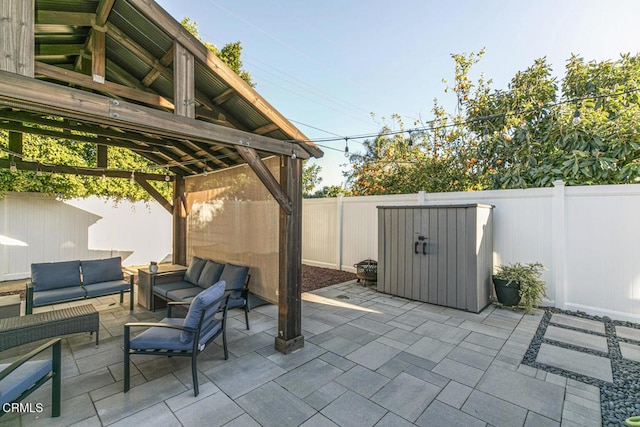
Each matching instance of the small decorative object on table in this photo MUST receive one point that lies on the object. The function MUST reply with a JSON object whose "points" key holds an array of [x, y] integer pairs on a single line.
{"points": [[520, 284], [153, 267]]}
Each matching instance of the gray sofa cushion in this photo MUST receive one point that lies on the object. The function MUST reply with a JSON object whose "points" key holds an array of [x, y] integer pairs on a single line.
{"points": [[210, 274], [61, 294], [105, 288], [22, 379], [193, 271], [101, 270], [55, 275], [163, 288], [235, 277], [181, 295]]}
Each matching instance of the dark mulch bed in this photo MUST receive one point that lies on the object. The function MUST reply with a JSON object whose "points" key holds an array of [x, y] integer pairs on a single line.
{"points": [[312, 278], [316, 277]]}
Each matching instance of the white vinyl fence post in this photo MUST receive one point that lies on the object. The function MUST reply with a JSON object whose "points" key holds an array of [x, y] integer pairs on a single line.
{"points": [[339, 230], [422, 198], [559, 243]]}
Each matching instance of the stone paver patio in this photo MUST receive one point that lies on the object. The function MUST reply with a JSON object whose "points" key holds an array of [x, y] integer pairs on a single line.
{"points": [[369, 359]]}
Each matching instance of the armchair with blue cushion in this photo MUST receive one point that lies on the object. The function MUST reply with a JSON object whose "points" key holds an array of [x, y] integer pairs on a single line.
{"points": [[186, 337], [22, 377]]}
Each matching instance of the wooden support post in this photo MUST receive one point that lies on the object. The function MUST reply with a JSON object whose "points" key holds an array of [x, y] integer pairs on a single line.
{"points": [[184, 87], [98, 59], [179, 222], [17, 45], [15, 142], [290, 336], [154, 193], [184, 101], [102, 156]]}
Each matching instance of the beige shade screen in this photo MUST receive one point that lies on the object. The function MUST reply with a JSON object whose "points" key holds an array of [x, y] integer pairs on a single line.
{"points": [[232, 217]]}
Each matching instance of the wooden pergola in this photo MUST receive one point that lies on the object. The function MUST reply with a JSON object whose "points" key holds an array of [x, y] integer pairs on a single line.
{"points": [[124, 73]]}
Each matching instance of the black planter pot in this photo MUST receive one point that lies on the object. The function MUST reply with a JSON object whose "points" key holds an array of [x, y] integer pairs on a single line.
{"points": [[507, 295]]}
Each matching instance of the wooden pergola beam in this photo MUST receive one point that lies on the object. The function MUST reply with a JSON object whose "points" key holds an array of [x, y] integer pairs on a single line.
{"points": [[79, 170], [83, 80], [153, 193], [76, 19], [44, 97]]}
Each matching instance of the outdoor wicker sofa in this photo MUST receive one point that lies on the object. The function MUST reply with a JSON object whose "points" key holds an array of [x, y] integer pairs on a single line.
{"points": [[55, 282]]}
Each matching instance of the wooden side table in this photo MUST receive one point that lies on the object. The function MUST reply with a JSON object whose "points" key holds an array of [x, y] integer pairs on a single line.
{"points": [[9, 306], [147, 280]]}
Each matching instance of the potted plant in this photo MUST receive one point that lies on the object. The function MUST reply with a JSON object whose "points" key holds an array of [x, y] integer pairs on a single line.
{"points": [[520, 284]]}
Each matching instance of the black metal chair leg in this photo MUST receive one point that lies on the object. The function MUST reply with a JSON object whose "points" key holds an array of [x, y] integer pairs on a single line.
{"points": [[194, 373]]}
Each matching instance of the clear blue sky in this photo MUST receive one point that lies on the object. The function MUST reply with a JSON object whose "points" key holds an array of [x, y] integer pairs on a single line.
{"points": [[331, 63]]}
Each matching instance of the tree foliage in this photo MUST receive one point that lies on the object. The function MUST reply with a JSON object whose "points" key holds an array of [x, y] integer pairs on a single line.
{"points": [[582, 130], [230, 53]]}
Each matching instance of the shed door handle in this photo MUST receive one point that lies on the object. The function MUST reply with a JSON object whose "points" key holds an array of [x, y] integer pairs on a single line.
{"points": [[424, 248], [415, 247]]}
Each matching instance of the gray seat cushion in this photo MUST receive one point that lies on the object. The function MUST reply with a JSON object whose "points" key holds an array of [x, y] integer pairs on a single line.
{"points": [[182, 294], [22, 379], [105, 288], [55, 295], [101, 270], [55, 275], [163, 288], [161, 338]]}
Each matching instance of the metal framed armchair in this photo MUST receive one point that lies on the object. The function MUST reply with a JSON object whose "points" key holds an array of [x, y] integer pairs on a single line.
{"points": [[22, 377], [186, 337]]}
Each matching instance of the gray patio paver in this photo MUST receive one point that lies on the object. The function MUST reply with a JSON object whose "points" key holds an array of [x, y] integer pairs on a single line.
{"points": [[537, 420], [530, 393], [442, 415], [494, 411], [244, 374], [353, 410], [243, 420], [464, 374], [588, 324], [157, 415], [454, 394], [122, 405], [393, 420], [362, 380], [340, 346], [337, 361], [318, 420], [308, 378], [406, 396], [470, 357], [77, 409], [214, 410], [575, 361], [581, 339], [373, 355], [630, 351], [492, 331], [325, 395], [430, 349], [272, 405], [626, 332], [442, 332]]}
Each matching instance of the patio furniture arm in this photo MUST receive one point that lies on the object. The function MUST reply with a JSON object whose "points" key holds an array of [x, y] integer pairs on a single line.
{"points": [[54, 344], [29, 298], [157, 325], [175, 303]]}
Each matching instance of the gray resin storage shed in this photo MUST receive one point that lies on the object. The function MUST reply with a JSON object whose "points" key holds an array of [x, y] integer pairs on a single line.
{"points": [[440, 254]]}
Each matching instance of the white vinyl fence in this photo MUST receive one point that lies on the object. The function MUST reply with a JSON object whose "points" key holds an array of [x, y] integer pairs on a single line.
{"points": [[588, 238], [37, 228]]}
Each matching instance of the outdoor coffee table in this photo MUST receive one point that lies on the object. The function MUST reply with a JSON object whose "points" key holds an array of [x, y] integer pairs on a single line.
{"points": [[15, 331]]}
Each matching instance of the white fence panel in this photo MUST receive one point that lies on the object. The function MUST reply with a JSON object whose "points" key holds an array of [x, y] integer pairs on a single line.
{"points": [[603, 250], [320, 222], [37, 228]]}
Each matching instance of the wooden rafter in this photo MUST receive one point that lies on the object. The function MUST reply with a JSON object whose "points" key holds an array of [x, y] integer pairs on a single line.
{"points": [[78, 170], [77, 19]]}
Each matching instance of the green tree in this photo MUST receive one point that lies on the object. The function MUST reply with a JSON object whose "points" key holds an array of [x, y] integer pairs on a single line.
{"points": [[230, 53], [310, 177], [583, 131]]}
